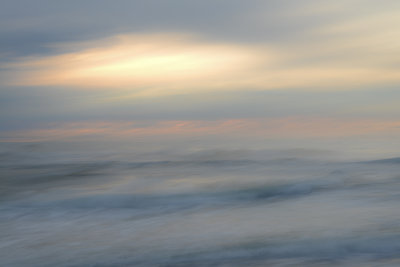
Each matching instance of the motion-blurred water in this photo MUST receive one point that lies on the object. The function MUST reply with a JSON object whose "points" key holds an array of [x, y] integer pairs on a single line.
{"points": [[209, 208]]}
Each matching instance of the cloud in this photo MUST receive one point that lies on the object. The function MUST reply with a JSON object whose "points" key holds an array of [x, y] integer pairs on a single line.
{"points": [[139, 63], [207, 60], [173, 63]]}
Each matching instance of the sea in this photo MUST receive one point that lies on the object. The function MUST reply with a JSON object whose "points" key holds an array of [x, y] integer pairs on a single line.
{"points": [[68, 206]]}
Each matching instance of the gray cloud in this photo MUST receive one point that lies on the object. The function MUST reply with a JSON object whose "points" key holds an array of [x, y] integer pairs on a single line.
{"points": [[30, 27]]}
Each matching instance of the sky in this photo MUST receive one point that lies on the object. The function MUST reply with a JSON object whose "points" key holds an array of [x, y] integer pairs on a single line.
{"points": [[292, 73]]}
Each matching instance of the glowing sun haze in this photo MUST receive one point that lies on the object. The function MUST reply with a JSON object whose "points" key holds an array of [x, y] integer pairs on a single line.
{"points": [[140, 62], [149, 64]]}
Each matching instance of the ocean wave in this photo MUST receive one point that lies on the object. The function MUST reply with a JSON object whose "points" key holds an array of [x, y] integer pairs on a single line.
{"points": [[221, 211]]}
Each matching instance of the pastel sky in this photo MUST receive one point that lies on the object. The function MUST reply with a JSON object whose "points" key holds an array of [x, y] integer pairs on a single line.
{"points": [[255, 70]]}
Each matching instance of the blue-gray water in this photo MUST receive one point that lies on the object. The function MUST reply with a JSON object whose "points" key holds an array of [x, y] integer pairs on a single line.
{"points": [[211, 208]]}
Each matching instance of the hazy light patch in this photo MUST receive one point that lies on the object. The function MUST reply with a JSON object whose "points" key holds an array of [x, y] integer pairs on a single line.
{"points": [[139, 63], [164, 64]]}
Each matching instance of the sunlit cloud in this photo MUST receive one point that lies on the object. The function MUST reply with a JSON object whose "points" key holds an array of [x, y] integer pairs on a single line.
{"points": [[161, 64], [139, 63]]}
